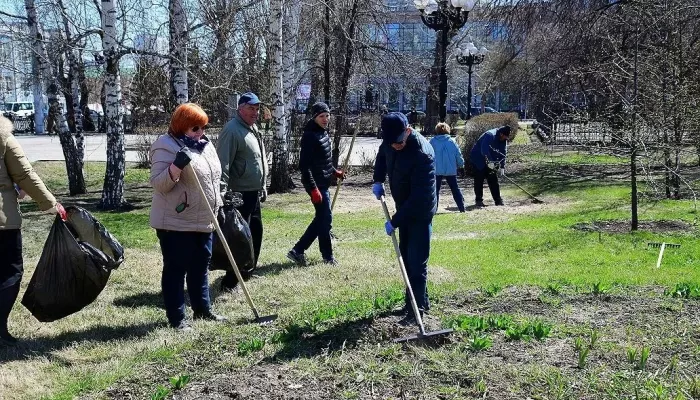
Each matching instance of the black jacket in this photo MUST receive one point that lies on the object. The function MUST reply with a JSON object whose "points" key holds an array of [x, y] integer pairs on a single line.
{"points": [[411, 179], [315, 160]]}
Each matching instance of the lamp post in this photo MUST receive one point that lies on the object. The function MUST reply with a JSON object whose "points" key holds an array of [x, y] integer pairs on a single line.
{"points": [[470, 56], [444, 16]]}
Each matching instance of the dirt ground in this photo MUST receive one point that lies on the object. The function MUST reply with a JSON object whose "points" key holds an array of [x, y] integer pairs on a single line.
{"points": [[624, 318]]}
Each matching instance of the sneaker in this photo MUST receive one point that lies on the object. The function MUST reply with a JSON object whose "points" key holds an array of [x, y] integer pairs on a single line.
{"points": [[500, 203], [331, 261], [183, 326], [210, 316], [479, 204], [299, 259]]}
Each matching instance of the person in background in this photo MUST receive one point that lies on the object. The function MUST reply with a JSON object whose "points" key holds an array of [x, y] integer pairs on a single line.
{"points": [[17, 178], [317, 169], [409, 161], [488, 157], [447, 159], [180, 214], [413, 118], [244, 169]]}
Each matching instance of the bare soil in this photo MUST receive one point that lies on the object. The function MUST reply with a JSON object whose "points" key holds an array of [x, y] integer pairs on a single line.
{"points": [[625, 317]]}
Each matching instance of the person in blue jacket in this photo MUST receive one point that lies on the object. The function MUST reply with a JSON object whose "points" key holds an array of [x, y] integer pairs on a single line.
{"points": [[409, 161], [447, 159], [488, 156], [317, 169]]}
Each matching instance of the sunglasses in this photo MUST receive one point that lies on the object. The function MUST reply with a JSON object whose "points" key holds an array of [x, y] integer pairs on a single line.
{"points": [[196, 128], [181, 207]]}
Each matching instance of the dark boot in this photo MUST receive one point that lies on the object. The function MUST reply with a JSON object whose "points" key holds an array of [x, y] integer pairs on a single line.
{"points": [[7, 300]]}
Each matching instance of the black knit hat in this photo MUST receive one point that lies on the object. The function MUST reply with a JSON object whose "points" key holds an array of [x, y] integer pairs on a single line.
{"points": [[319, 108]]}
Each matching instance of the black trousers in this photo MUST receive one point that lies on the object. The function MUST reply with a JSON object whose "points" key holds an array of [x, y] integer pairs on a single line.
{"points": [[11, 269], [250, 211], [492, 179]]}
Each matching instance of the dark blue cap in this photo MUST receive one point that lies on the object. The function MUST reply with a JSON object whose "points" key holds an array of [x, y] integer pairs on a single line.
{"points": [[248, 98], [393, 126]]}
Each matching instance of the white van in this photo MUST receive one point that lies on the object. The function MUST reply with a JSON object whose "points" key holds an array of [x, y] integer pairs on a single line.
{"points": [[15, 110]]}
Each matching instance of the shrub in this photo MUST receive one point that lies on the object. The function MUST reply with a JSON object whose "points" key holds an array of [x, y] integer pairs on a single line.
{"points": [[480, 124]]}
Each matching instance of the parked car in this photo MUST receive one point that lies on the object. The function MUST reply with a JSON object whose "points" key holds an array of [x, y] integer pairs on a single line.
{"points": [[475, 111]]}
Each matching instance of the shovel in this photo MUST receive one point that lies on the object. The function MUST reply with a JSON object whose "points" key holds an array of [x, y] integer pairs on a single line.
{"points": [[422, 334], [258, 318]]}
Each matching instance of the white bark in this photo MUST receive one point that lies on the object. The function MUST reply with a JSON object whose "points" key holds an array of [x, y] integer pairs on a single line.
{"points": [[73, 57], [290, 51], [113, 189], [38, 67], [280, 156], [178, 52]]}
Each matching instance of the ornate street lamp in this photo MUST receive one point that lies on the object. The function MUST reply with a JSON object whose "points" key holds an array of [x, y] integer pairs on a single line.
{"points": [[444, 16], [470, 56]]}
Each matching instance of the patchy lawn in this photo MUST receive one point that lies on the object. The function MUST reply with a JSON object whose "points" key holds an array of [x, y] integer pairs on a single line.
{"points": [[544, 303]]}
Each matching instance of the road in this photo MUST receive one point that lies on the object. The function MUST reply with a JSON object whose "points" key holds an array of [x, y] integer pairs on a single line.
{"points": [[48, 148]]}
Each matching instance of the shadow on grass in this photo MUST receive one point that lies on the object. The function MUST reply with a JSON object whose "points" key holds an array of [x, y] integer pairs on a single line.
{"points": [[43, 346], [145, 299], [300, 340]]}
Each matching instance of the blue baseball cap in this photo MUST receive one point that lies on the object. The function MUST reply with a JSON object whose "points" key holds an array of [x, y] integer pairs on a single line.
{"points": [[248, 98], [393, 126]]}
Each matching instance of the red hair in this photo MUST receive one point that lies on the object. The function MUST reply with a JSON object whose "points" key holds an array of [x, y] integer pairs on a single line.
{"points": [[185, 117]]}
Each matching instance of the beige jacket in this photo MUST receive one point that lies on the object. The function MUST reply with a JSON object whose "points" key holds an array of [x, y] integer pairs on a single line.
{"points": [[168, 194], [15, 168]]}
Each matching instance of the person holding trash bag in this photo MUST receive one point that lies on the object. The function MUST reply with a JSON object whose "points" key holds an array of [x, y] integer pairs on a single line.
{"points": [[317, 169], [180, 216], [17, 178], [488, 156], [244, 169], [409, 161], [447, 159]]}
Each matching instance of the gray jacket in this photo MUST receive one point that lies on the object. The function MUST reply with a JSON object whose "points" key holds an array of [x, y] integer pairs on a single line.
{"points": [[242, 156]]}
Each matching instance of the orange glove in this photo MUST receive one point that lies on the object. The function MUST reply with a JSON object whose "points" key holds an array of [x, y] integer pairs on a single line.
{"points": [[316, 196]]}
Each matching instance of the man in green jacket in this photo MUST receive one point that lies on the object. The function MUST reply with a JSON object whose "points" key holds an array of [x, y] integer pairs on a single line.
{"points": [[244, 169]]}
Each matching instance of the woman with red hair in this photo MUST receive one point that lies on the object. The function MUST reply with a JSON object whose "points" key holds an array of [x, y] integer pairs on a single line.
{"points": [[180, 215]]}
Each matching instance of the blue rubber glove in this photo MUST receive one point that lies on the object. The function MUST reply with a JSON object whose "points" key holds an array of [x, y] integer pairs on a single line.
{"points": [[389, 228], [378, 190]]}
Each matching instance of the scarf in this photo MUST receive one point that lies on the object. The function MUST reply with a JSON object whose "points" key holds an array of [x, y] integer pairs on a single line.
{"points": [[194, 144]]}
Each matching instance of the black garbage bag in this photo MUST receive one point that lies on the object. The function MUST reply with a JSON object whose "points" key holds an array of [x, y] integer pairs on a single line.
{"points": [[74, 267], [238, 237]]}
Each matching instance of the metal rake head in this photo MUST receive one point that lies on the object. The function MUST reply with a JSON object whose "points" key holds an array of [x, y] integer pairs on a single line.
{"points": [[657, 244]]}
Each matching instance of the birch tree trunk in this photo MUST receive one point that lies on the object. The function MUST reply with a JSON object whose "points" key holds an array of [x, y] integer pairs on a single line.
{"points": [[280, 172], [346, 57], [113, 188], [37, 67], [178, 52]]}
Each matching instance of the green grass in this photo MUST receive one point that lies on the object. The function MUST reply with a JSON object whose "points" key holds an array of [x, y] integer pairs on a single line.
{"points": [[578, 158], [328, 326]]}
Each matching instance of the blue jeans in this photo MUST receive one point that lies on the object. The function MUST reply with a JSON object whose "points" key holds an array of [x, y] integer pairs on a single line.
{"points": [[414, 244], [185, 254], [456, 193], [319, 228]]}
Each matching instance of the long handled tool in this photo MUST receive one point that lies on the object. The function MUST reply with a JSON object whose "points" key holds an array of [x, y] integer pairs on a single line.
{"points": [[258, 318], [534, 199], [663, 246], [422, 334], [345, 169]]}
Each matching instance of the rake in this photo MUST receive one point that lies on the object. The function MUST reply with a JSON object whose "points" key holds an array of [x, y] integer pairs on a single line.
{"points": [[534, 199], [345, 169], [422, 334], [663, 246], [260, 320]]}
